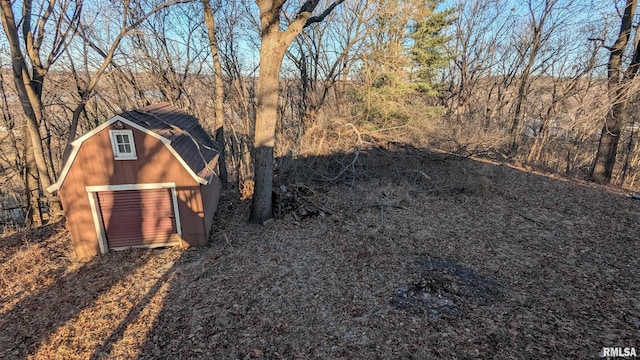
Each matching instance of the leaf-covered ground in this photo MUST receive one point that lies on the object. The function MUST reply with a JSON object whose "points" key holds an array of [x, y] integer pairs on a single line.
{"points": [[408, 255]]}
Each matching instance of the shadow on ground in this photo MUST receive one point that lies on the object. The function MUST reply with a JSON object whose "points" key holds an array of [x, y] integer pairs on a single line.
{"points": [[530, 261], [550, 259], [77, 302]]}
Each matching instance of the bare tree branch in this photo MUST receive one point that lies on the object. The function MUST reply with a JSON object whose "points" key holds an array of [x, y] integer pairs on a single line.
{"points": [[325, 13]]}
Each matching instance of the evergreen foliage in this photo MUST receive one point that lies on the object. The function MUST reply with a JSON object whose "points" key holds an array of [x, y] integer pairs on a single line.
{"points": [[398, 74]]}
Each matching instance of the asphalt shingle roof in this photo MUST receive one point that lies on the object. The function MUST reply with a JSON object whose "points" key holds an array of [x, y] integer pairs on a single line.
{"points": [[188, 138]]}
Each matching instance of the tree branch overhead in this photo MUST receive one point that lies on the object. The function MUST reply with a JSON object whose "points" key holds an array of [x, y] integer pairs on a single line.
{"points": [[323, 15]]}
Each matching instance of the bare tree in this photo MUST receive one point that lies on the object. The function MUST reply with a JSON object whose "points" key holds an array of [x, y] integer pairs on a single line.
{"points": [[325, 53], [131, 19], [59, 18], [233, 31], [209, 21], [619, 89], [274, 44], [567, 77], [479, 29], [540, 30], [12, 160], [630, 149]]}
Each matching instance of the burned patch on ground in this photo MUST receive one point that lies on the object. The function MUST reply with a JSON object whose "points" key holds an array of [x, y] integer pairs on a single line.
{"points": [[444, 287]]}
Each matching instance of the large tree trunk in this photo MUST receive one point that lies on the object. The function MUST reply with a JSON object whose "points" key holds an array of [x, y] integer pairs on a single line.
{"points": [[626, 165], [274, 43], [618, 95], [266, 118], [34, 114], [608, 147], [31, 187]]}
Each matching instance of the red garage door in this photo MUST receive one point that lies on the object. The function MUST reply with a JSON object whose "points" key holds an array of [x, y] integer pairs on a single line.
{"points": [[138, 218]]}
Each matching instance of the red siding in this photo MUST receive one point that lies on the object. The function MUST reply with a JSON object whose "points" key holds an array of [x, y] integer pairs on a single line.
{"points": [[94, 165]]}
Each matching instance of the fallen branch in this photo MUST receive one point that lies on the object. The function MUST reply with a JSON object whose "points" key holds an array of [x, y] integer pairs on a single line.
{"points": [[226, 239], [427, 177], [531, 219]]}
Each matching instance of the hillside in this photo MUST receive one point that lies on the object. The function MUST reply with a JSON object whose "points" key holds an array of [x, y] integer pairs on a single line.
{"points": [[407, 254]]}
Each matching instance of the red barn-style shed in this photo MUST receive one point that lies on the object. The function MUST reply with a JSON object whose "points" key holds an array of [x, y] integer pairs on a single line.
{"points": [[145, 178]]}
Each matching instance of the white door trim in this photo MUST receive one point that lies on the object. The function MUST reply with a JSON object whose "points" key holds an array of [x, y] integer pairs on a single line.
{"points": [[97, 222]]}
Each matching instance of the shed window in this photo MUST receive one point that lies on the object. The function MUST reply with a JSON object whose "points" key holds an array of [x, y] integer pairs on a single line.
{"points": [[123, 146]]}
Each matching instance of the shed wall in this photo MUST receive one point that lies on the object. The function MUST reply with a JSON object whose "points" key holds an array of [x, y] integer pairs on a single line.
{"points": [[210, 197], [95, 165]]}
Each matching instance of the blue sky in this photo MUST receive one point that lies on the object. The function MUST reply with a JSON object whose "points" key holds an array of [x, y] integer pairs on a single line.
{"points": [[577, 16]]}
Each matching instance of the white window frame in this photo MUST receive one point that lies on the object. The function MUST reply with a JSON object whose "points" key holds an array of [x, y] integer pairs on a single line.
{"points": [[114, 145]]}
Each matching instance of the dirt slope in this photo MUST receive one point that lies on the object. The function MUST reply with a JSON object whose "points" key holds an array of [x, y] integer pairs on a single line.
{"points": [[407, 255]]}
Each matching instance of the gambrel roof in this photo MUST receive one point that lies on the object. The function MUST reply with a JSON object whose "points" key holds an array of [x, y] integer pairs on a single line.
{"points": [[180, 132]]}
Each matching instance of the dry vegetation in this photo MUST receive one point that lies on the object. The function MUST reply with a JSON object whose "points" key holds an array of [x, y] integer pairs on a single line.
{"points": [[414, 255]]}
